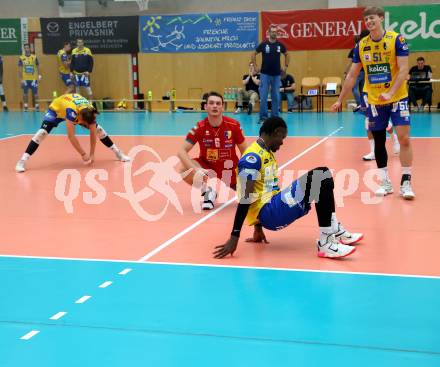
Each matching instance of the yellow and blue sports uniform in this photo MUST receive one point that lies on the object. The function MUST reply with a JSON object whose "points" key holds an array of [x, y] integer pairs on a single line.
{"points": [[65, 107], [63, 57], [379, 60], [29, 64], [272, 208], [82, 61]]}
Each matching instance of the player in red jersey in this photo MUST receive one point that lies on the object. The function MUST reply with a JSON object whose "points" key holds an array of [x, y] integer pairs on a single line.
{"points": [[217, 136]]}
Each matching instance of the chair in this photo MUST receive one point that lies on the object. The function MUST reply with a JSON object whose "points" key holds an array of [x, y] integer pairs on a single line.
{"points": [[324, 92], [310, 83]]}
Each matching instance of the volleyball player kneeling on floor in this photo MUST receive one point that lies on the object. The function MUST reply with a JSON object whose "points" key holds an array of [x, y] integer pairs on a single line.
{"points": [[75, 110], [263, 204]]}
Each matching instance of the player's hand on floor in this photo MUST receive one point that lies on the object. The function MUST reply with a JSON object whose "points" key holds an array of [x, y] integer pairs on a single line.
{"points": [[258, 237], [86, 159], [228, 248]]}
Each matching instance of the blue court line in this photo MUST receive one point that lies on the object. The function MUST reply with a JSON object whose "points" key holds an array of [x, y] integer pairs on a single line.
{"points": [[178, 124], [164, 305]]}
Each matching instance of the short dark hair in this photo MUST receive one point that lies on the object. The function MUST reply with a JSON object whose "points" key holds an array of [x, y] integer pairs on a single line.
{"points": [[26, 44], [373, 10], [420, 58], [271, 124], [214, 94], [66, 43], [88, 114]]}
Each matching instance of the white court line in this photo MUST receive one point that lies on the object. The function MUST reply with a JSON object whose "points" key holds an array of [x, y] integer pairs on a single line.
{"points": [[125, 271], [105, 284], [29, 335], [229, 202], [58, 315], [14, 136], [83, 299]]}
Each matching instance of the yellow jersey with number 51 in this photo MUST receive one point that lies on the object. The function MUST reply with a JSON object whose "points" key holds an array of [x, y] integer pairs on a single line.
{"points": [[379, 60]]}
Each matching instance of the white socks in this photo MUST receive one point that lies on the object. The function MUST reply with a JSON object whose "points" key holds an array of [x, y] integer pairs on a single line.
{"points": [[25, 157], [371, 141]]}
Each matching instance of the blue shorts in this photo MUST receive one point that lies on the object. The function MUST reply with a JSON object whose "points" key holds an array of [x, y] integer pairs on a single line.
{"points": [[379, 115], [30, 84], [82, 80], [284, 208], [66, 79], [364, 103]]}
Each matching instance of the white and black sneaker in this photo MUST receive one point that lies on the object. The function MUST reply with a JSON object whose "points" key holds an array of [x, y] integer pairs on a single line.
{"points": [[347, 238], [332, 248], [209, 197]]}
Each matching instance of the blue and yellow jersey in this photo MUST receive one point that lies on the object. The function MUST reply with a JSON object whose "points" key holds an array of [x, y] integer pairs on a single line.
{"points": [[379, 59], [258, 164], [29, 64], [62, 57], [82, 60], [68, 106]]}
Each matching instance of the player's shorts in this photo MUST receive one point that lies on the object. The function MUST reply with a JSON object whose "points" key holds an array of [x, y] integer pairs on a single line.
{"points": [[82, 80], [379, 115], [231, 182], [284, 208], [30, 84], [67, 79], [364, 103]]}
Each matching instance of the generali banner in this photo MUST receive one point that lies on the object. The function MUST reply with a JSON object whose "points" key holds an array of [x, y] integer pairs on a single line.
{"points": [[318, 29]]}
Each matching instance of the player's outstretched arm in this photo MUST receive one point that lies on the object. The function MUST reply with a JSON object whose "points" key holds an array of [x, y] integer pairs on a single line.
{"points": [[93, 135], [74, 141], [240, 215], [348, 85]]}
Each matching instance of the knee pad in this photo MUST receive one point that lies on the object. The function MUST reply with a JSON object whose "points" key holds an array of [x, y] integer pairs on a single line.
{"points": [[40, 136], [101, 132], [1, 89]]}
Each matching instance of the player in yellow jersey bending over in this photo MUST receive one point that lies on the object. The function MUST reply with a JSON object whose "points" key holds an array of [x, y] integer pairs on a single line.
{"points": [[263, 204], [75, 110]]}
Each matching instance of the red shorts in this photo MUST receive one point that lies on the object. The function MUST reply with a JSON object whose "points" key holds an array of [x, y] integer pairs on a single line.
{"points": [[219, 172]]}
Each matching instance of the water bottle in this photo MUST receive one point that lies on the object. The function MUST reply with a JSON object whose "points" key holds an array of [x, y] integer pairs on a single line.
{"points": [[173, 94], [54, 94], [225, 93], [150, 95]]}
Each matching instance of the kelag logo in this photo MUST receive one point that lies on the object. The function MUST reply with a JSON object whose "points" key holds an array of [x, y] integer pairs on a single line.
{"points": [[378, 68]]}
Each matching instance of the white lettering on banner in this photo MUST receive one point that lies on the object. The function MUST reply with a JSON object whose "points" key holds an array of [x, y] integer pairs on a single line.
{"points": [[215, 31], [91, 32], [410, 29], [94, 24], [325, 29], [7, 33]]}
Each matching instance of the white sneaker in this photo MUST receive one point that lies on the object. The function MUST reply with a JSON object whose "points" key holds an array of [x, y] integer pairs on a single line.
{"points": [[20, 166], [122, 157], [369, 157], [385, 188], [406, 190], [209, 197], [396, 147], [238, 110], [332, 248], [347, 238]]}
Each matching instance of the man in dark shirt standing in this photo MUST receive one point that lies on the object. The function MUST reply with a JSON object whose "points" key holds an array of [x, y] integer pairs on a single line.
{"points": [[251, 82], [287, 90], [81, 66], [417, 90], [271, 51]]}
